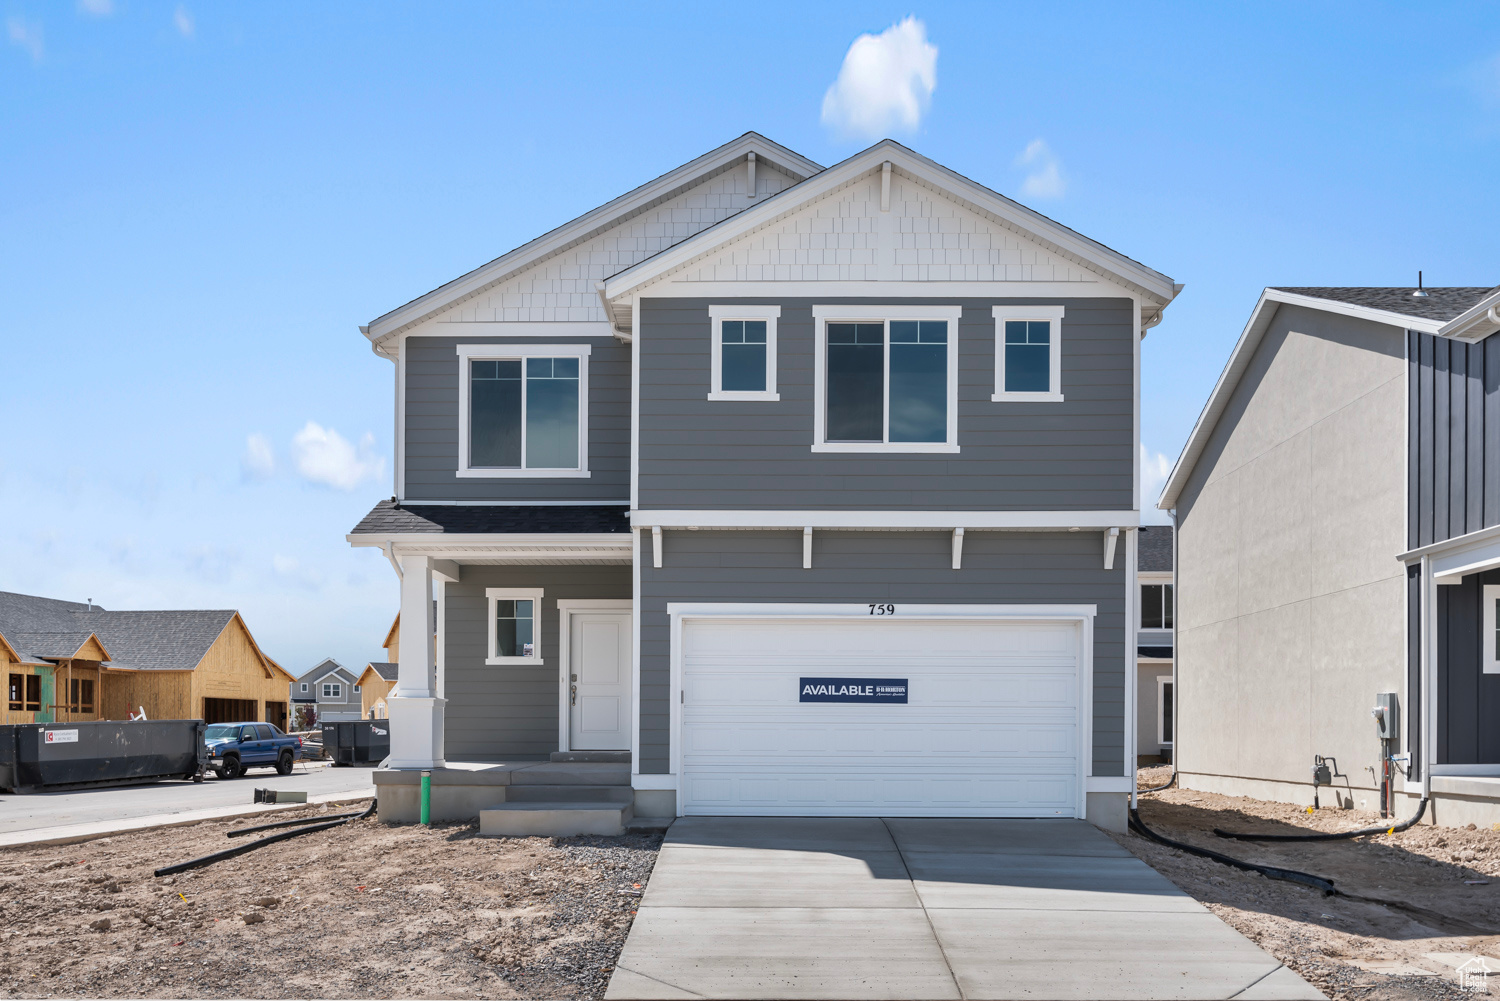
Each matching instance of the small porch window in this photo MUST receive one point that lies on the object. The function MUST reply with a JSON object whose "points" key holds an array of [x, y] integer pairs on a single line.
{"points": [[514, 626]]}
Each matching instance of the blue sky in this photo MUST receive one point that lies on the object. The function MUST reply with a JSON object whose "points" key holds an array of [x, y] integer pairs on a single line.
{"points": [[199, 203]]}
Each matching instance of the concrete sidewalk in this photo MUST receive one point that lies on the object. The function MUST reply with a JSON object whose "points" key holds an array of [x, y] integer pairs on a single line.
{"points": [[856, 908]]}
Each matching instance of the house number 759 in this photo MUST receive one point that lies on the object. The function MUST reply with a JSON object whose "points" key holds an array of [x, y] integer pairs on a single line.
{"points": [[882, 609]]}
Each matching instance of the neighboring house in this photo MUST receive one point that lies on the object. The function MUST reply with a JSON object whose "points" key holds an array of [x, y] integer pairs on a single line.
{"points": [[375, 684], [68, 660], [331, 689], [812, 491], [1338, 521], [1154, 688]]}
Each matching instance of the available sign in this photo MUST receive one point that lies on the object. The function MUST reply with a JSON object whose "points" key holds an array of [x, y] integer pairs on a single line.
{"points": [[60, 737], [866, 690]]}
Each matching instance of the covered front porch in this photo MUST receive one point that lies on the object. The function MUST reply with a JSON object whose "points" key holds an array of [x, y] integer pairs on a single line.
{"points": [[523, 691]]}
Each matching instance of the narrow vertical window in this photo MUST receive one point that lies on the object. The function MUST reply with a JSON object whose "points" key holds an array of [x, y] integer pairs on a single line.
{"points": [[551, 413], [14, 702], [1489, 641], [743, 362], [495, 414], [1164, 719], [1027, 356], [34, 693], [919, 380], [856, 382]]}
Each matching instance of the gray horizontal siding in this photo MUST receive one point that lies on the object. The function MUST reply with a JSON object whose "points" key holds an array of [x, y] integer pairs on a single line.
{"points": [[431, 431], [499, 712], [899, 567], [1454, 427], [1076, 455]]}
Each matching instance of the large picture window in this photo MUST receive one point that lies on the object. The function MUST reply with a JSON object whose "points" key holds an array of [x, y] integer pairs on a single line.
{"points": [[515, 626], [744, 352], [1028, 354], [886, 379], [523, 410]]}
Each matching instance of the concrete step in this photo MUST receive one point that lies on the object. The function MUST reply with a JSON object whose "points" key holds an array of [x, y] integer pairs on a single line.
{"points": [[569, 794], [572, 773], [601, 757], [554, 820]]}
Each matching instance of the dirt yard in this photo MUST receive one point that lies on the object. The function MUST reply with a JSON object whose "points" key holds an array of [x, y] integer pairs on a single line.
{"points": [[364, 910], [1422, 900]]}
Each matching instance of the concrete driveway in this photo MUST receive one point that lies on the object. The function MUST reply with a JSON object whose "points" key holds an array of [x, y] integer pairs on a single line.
{"points": [[832, 908]]}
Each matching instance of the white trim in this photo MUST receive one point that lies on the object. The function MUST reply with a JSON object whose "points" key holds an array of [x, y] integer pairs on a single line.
{"points": [[399, 466], [1111, 540], [656, 546], [440, 636], [415, 502], [1487, 638], [565, 609], [1048, 314], [304, 687], [513, 328], [958, 548], [635, 658], [887, 520], [1109, 783], [653, 780], [1472, 771], [889, 288], [337, 694], [1028, 223], [496, 594], [635, 403], [1130, 730], [822, 316], [807, 547], [1083, 615], [1144, 582], [511, 352], [1162, 681], [610, 213], [717, 315]]}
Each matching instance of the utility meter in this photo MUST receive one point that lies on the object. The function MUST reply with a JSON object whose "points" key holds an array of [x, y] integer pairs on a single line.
{"points": [[1386, 713]]}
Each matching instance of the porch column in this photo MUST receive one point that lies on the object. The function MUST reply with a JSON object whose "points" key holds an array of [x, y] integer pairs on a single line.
{"points": [[415, 711]]}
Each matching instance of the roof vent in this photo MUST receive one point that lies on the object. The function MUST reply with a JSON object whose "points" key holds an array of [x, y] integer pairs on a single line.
{"points": [[1419, 293]]}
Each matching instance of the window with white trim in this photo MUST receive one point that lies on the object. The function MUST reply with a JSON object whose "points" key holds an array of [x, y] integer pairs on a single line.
{"points": [[1164, 710], [743, 353], [1490, 641], [1156, 606], [304, 688], [523, 410], [1028, 354], [886, 379], [515, 620], [332, 691], [356, 689]]}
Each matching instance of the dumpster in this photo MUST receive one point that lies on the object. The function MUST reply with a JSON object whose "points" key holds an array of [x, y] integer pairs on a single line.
{"points": [[360, 742], [37, 756]]}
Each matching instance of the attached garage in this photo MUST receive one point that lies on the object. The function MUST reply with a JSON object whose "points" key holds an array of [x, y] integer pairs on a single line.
{"points": [[882, 710]]}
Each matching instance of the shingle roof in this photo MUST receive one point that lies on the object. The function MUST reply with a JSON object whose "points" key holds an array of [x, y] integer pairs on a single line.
{"points": [[1154, 550], [326, 666], [390, 518], [1437, 304], [385, 670], [169, 640]]}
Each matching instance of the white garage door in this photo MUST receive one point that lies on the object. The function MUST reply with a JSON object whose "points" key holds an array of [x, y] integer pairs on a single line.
{"points": [[990, 727]]}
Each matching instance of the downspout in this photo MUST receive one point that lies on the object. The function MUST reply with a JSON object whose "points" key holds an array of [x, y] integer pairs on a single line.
{"points": [[390, 553], [1428, 733]]}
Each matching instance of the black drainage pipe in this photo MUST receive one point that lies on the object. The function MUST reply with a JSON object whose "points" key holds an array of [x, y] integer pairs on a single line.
{"points": [[1270, 871], [240, 832], [1340, 836], [269, 839]]}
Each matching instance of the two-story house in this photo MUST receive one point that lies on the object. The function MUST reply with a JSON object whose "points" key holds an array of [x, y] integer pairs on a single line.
{"points": [[1338, 528], [807, 491], [330, 689]]}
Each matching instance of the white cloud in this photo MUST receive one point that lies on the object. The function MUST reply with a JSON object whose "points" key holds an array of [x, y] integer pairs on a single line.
{"points": [[289, 568], [1155, 468], [1045, 179], [259, 460], [184, 21], [99, 8], [26, 34], [322, 455], [886, 82]]}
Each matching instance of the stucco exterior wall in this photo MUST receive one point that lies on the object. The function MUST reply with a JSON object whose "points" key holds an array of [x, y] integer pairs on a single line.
{"points": [[1290, 600]]}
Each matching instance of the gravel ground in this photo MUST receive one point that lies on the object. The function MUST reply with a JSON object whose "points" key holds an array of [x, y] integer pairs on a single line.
{"points": [[364, 910], [1403, 897]]}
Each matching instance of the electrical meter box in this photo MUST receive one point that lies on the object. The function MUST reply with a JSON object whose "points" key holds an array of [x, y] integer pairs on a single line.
{"points": [[1387, 716]]}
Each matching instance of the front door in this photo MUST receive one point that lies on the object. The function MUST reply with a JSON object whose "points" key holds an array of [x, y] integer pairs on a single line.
{"points": [[599, 681]]}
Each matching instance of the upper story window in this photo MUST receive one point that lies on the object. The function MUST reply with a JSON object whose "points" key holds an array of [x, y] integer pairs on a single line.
{"points": [[744, 352], [1028, 354], [332, 691], [523, 410], [886, 379], [1490, 642], [304, 686], [1156, 606], [514, 615]]}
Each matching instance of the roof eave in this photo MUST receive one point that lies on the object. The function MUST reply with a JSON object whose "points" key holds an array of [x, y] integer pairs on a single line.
{"points": [[1477, 322], [558, 239]]}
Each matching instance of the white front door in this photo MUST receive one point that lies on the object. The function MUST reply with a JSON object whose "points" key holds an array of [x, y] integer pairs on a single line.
{"points": [[599, 681]]}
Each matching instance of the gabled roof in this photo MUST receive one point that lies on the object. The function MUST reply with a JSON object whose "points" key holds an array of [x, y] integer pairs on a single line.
{"points": [[591, 223], [55, 645], [322, 669], [1466, 313], [1155, 287], [383, 670], [395, 625]]}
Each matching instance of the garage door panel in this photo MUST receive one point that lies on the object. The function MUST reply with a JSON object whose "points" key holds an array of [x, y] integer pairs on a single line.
{"points": [[990, 727]]}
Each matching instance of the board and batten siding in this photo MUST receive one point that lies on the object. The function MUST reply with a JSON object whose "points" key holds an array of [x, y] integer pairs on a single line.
{"points": [[1454, 426], [431, 431], [896, 567], [702, 454], [497, 712]]}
